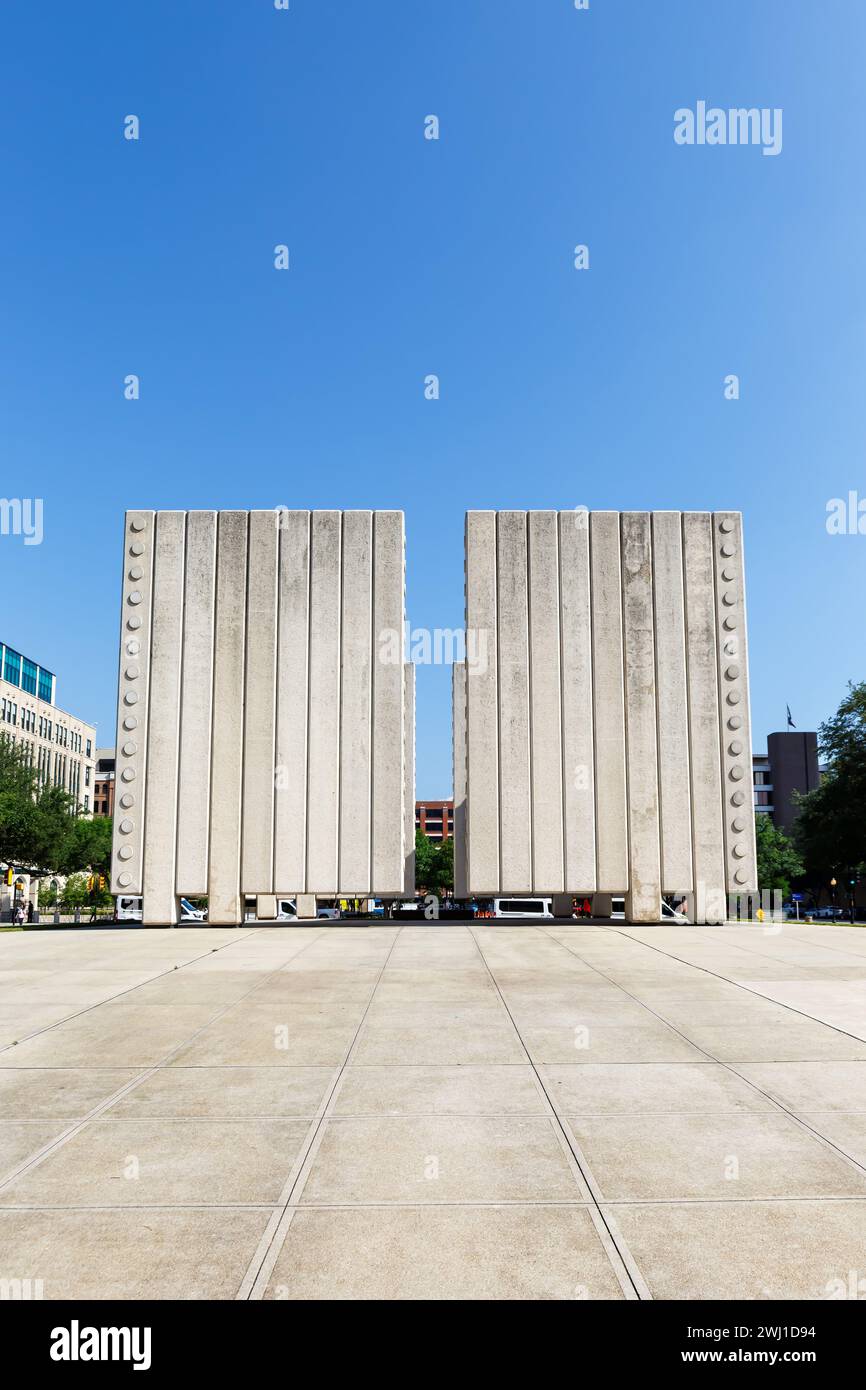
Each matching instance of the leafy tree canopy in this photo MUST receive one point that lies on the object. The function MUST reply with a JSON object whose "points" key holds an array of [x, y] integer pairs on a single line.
{"points": [[41, 827], [830, 831]]}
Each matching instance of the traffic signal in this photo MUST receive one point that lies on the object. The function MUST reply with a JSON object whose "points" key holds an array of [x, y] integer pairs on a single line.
{"points": [[10, 877], [102, 883], [90, 884]]}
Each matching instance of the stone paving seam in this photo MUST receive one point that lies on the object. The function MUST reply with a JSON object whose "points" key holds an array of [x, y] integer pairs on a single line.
{"points": [[622, 1261], [254, 1282]]}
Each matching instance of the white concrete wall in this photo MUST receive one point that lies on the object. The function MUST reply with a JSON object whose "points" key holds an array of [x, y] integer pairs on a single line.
{"points": [[598, 752], [264, 715]]}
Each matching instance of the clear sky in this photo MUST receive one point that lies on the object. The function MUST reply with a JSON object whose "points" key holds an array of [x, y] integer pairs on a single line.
{"points": [[559, 387]]}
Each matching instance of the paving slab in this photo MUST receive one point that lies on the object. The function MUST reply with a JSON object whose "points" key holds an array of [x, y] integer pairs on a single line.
{"points": [[177, 1254], [520, 1252], [745, 1250], [440, 1159], [727, 1157], [154, 1163]]}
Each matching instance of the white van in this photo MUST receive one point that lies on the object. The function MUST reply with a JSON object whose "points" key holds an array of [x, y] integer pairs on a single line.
{"points": [[539, 909], [617, 912], [129, 910]]}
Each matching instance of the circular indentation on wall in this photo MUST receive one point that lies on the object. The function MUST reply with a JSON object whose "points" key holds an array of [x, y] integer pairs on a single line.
{"points": [[738, 825], [137, 548], [738, 798], [124, 880], [730, 623], [135, 597], [735, 721], [126, 826], [127, 800], [129, 748], [137, 523], [737, 773], [729, 598], [738, 851], [125, 852], [740, 876], [726, 524], [733, 697], [128, 774], [131, 673], [136, 572], [134, 622], [130, 722], [735, 748], [133, 647], [131, 697], [732, 672], [729, 575], [728, 550]]}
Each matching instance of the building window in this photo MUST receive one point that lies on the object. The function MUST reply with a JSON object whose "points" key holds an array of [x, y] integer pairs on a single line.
{"points": [[46, 681], [89, 748], [11, 667], [29, 675]]}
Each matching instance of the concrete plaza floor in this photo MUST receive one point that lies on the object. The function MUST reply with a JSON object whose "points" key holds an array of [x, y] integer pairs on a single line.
{"points": [[476, 1111]]}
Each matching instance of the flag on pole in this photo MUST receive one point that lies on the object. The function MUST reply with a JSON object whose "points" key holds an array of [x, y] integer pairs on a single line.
{"points": [[791, 724]]}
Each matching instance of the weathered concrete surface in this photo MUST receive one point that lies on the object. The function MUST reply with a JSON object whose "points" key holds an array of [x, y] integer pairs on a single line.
{"points": [[433, 1112], [607, 728], [276, 752]]}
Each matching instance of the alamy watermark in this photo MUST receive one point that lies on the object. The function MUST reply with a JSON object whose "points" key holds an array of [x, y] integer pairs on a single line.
{"points": [[739, 125], [846, 516], [22, 516]]}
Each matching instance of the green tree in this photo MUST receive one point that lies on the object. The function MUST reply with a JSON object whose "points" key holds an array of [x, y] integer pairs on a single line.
{"points": [[778, 859], [830, 830], [434, 865], [41, 826]]}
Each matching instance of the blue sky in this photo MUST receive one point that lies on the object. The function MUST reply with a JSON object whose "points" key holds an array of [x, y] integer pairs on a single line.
{"points": [[408, 257]]}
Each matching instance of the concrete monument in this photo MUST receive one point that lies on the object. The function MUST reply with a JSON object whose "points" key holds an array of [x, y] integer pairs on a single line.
{"points": [[601, 729], [265, 713]]}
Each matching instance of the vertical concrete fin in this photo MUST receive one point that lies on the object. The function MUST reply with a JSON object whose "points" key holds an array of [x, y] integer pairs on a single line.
{"points": [[545, 703], [356, 704], [389, 617], [644, 898], [193, 803], [323, 772], [290, 794], [225, 903], [515, 801], [409, 775], [705, 768], [260, 705], [578, 770], [608, 704], [672, 696], [482, 705], [132, 702], [159, 903], [741, 874], [458, 735]]}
